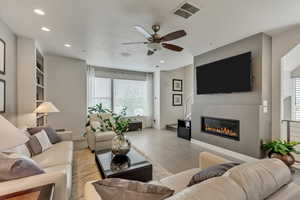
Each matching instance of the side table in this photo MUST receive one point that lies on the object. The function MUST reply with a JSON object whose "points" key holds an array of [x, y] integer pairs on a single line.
{"points": [[44, 192]]}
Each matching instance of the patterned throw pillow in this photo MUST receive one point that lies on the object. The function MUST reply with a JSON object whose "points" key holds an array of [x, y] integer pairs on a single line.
{"points": [[211, 172], [13, 166], [120, 189], [39, 143], [51, 133]]}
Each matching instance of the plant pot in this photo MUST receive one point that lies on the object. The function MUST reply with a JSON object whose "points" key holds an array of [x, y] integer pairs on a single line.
{"points": [[288, 159], [120, 145]]}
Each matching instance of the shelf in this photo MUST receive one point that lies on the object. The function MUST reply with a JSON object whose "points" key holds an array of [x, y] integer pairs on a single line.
{"points": [[40, 86], [39, 101], [40, 71]]}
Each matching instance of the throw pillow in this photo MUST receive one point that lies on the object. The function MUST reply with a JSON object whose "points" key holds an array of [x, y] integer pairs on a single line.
{"points": [[14, 166], [121, 189], [211, 172], [53, 136], [39, 143], [21, 149]]}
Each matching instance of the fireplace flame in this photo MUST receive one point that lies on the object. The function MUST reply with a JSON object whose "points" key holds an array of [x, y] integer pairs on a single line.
{"points": [[224, 131]]}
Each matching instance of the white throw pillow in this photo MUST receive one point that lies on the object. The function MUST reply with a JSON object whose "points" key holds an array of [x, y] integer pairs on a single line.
{"points": [[43, 140]]}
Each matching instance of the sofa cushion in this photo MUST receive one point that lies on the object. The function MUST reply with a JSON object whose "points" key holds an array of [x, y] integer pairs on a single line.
{"points": [[261, 178], [288, 192], [179, 181], [104, 136], [60, 154], [219, 188], [66, 169]]}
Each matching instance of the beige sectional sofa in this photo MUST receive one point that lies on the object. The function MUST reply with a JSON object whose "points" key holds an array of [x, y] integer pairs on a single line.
{"points": [[57, 163], [265, 179]]}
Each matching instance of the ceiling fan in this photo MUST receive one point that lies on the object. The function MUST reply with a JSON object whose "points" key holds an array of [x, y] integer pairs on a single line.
{"points": [[155, 42]]}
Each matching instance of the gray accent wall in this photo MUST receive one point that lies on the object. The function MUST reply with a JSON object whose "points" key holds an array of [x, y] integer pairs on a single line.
{"points": [[255, 118]]}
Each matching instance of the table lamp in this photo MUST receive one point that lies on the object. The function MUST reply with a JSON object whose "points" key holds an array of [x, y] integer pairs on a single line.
{"points": [[45, 108], [10, 135]]}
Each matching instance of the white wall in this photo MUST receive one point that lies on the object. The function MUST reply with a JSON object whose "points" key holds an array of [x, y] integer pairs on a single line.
{"points": [[281, 45], [11, 72], [66, 88]]}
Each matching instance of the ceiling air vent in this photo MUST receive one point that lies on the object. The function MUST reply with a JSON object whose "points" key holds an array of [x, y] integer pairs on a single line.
{"points": [[186, 10]]}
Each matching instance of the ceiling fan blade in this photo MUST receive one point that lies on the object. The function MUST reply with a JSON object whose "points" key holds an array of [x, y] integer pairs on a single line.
{"points": [[172, 47], [173, 36], [128, 43], [149, 53], [145, 33]]}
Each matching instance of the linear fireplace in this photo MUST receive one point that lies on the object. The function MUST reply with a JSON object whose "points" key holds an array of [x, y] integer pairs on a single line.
{"points": [[228, 128]]}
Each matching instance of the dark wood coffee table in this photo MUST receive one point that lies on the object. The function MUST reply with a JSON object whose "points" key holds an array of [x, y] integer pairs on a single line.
{"points": [[133, 166]]}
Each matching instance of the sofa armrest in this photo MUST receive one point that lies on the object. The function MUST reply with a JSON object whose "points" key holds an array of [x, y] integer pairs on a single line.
{"points": [[58, 178], [65, 135], [207, 159]]}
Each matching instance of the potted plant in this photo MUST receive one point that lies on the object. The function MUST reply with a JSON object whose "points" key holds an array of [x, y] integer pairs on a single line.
{"points": [[282, 150], [120, 143]]}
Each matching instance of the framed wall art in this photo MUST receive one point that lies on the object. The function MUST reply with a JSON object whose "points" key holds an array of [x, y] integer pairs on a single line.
{"points": [[2, 56], [2, 96], [177, 85], [177, 99]]}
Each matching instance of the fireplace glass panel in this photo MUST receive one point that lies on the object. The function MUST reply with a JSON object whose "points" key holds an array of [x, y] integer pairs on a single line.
{"points": [[228, 128]]}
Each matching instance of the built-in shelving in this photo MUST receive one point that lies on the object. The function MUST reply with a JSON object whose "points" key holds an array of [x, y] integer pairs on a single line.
{"points": [[40, 89]]}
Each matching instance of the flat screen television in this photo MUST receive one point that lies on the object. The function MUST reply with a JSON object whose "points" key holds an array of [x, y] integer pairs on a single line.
{"points": [[225, 76]]}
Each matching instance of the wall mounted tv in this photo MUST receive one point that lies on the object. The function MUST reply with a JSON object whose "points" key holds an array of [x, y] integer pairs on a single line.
{"points": [[225, 76]]}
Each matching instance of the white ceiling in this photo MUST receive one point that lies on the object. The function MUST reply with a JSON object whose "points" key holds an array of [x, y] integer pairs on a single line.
{"points": [[99, 26]]}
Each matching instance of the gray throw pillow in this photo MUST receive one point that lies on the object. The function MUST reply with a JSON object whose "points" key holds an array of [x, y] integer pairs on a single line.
{"points": [[34, 146], [211, 172], [14, 167], [121, 189], [52, 135]]}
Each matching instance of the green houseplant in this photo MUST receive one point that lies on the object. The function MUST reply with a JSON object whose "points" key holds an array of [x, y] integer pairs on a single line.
{"points": [[120, 143], [282, 150]]}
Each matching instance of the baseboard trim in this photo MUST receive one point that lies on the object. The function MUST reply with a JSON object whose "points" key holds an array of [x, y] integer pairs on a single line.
{"points": [[227, 152]]}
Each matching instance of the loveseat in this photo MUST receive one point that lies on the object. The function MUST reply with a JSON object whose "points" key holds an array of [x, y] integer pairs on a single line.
{"points": [[57, 163], [268, 179]]}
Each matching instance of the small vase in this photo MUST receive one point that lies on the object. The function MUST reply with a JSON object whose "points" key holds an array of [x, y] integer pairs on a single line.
{"points": [[120, 145], [288, 159]]}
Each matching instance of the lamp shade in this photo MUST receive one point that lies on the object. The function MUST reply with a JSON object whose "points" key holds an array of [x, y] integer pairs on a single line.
{"points": [[46, 107], [10, 135]]}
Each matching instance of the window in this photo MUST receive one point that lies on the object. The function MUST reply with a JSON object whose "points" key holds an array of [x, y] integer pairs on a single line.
{"points": [[297, 98], [114, 94], [131, 94], [103, 92]]}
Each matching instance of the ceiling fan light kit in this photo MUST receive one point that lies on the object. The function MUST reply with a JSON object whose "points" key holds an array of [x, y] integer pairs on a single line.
{"points": [[155, 42]]}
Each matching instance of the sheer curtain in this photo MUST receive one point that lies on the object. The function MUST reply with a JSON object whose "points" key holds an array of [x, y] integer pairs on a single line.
{"points": [[149, 100], [90, 86]]}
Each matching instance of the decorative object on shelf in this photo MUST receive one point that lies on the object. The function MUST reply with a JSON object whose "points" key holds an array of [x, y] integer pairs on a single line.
{"points": [[177, 85], [45, 108], [2, 96], [13, 136], [120, 143], [177, 99], [282, 150], [2, 56]]}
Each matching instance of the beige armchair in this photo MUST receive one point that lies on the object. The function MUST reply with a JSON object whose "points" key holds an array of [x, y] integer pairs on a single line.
{"points": [[102, 137]]}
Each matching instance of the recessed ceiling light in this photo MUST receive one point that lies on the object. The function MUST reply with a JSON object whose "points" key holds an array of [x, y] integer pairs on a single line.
{"points": [[39, 12], [45, 29], [67, 45], [162, 61]]}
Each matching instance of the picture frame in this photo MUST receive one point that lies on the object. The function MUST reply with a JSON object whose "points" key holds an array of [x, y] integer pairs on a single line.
{"points": [[2, 56], [2, 96], [177, 85], [177, 100]]}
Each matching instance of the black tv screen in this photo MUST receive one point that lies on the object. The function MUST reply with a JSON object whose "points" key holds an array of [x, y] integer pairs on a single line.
{"points": [[225, 76]]}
